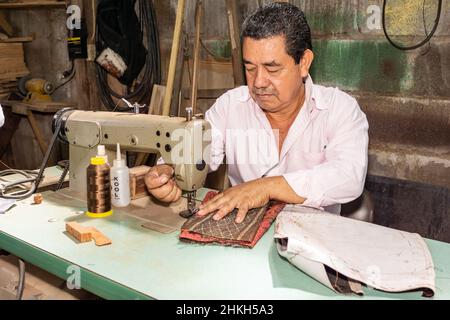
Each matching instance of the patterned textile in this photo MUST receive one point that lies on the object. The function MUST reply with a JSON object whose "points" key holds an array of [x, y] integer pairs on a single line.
{"points": [[226, 231]]}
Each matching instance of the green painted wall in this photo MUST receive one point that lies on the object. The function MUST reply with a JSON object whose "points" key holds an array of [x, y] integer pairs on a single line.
{"points": [[361, 65]]}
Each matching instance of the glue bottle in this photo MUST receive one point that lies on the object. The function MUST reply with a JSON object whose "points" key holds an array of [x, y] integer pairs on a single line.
{"points": [[120, 182]]}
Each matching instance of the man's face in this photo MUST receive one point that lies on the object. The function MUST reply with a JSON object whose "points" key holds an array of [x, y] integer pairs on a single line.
{"points": [[274, 80]]}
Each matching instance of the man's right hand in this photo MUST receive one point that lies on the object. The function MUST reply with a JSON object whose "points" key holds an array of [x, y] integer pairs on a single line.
{"points": [[161, 184]]}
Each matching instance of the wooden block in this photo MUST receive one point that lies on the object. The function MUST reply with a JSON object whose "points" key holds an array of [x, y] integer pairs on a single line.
{"points": [[137, 182], [99, 238], [80, 233], [37, 198], [12, 63]]}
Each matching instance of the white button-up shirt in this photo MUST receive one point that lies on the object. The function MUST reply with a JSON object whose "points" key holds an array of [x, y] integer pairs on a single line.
{"points": [[324, 155]]}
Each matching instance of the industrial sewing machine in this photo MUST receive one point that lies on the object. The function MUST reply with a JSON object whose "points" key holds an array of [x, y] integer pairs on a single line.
{"points": [[181, 142]]}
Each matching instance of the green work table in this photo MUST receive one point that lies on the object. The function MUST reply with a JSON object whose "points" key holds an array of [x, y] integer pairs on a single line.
{"points": [[145, 264]]}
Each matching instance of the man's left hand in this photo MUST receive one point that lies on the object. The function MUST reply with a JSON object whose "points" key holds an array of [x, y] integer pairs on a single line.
{"points": [[246, 196]]}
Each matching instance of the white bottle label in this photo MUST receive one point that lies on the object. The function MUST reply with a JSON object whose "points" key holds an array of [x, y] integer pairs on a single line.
{"points": [[116, 188], [120, 188]]}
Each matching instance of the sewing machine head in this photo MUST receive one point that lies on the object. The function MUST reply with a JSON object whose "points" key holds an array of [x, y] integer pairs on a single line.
{"points": [[180, 142]]}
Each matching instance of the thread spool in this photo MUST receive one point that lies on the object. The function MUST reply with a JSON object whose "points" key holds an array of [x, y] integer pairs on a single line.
{"points": [[98, 189]]}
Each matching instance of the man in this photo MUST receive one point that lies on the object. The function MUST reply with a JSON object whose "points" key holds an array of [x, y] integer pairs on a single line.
{"points": [[319, 136]]}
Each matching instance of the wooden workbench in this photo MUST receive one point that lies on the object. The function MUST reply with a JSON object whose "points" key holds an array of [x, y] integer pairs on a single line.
{"points": [[143, 264]]}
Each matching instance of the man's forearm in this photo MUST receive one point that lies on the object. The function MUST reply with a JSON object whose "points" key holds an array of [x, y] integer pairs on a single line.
{"points": [[280, 190]]}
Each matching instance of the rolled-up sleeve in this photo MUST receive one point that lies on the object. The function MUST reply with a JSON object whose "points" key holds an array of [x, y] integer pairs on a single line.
{"points": [[340, 178]]}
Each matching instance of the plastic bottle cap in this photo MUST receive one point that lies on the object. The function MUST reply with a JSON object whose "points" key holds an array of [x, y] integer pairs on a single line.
{"points": [[101, 150], [119, 162], [97, 161]]}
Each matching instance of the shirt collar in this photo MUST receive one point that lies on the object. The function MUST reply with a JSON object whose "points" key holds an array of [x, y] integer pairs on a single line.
{"points": [[245, 95], [317, 100]]}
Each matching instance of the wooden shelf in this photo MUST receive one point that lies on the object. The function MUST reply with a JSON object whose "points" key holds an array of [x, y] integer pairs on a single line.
{"points": [[21, 107], [34, 4], [17, 39]]}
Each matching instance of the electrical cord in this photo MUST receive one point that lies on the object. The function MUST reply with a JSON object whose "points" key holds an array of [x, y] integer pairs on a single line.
{"points": [[28, 174], [150, 74], [428, 37], [68, 73], [35, 181]]}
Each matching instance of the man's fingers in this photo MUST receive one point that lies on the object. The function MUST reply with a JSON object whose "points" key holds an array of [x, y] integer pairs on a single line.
{"points": [[164, 169], [178, 195], [158, 176], [242, 212], [215, 198], [164, 191], [173, 192], [153, 180], [212, 205], [223, 212]]}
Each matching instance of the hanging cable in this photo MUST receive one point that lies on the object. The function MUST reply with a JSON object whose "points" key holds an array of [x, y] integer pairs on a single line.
{"points": [[428, 37], [33, 178], [68, 74], [141, 89]]}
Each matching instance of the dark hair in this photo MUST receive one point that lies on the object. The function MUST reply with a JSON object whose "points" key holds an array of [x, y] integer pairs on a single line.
{"points": [[280, 18]]}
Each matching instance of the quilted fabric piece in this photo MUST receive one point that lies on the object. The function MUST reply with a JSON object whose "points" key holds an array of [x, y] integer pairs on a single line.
{"points": [[226, 231]]}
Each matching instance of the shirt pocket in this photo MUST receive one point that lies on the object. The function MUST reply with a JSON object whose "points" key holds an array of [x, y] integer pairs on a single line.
{"points": [[312, 159]]}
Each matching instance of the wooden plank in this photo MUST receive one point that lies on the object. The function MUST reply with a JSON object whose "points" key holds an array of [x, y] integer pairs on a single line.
{"points": [[13, 75], [37, 132], [82, 234], [194, 82], [178, 83], [99, 238], [11, 49], [5, 25], [33, 4], [173, 56], [233, 24], [12, 66], [156, 102], [44, 107], [12, 63], [18, 39], [86, 234]]}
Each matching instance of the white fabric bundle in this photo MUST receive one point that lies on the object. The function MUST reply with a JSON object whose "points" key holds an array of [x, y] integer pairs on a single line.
{"points": [[364, 253]]}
